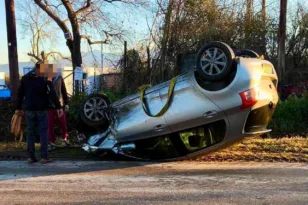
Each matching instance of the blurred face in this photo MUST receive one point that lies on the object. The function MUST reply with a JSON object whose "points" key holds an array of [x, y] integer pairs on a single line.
{"points": [[46, 70]]}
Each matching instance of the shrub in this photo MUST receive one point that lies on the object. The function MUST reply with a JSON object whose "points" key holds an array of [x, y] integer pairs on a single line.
{"points": [[291, 115], [113, 96], [74, 110]]}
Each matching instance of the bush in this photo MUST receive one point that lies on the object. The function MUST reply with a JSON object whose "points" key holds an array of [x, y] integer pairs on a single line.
{"points": [[113, 96], [291, 115], [74, 110]]}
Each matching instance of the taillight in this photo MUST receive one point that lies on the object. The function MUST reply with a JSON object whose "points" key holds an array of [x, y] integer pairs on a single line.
{"points": [[249, 98]]}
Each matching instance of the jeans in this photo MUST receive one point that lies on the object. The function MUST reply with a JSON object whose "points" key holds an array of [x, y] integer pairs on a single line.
{"points": [[37, 122]]}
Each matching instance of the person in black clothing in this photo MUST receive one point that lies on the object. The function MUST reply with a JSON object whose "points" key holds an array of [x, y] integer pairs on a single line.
{"points": [[35, 93]]}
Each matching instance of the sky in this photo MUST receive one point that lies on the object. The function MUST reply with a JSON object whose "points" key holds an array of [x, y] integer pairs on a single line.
{"points": [[136, 23]]}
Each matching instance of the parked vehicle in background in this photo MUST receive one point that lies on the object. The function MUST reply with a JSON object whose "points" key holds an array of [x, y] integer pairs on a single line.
{"points": [[293, 89], [5, 93]]}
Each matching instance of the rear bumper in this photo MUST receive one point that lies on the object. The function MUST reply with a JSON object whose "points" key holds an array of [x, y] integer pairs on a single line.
{"points": [[260, 132], [258, 120]]}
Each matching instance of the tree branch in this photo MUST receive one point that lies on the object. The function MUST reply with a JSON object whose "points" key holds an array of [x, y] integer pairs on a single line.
{"points": [[72, 17], [52, 15], [94, 42], [85, 8], [34, 56], [58, 53], [110, 1]]}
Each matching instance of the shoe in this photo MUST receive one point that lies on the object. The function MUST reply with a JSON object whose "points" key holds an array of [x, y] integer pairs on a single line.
{"points": [[32, 160], [45, 161], [51, 147], [66, 143]]}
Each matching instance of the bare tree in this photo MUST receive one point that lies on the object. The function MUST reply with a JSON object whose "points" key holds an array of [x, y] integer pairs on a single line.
{"points": [[72, 16], [78, 18], [39, 26]]}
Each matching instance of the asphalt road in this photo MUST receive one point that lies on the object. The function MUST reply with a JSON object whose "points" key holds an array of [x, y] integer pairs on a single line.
{"points": [[137, 183]]}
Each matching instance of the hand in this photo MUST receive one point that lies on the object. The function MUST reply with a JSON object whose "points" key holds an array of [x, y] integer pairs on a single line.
{"points": [[66, 108], [49, 78], [60, 113], [19, 112]]}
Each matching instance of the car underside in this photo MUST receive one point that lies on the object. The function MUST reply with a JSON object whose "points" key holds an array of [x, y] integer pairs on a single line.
{"points": [[226, 98]]}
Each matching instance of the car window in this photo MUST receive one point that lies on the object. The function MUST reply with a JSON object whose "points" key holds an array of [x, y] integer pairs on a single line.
{"points": [[3, 87], [181, 143]]}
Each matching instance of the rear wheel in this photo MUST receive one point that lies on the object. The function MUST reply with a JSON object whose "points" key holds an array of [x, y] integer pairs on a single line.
{"points": [[94, 110], [214, 61]]}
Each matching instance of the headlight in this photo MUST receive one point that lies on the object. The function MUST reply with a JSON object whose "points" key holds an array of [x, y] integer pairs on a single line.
{"points": [[92, 140]]}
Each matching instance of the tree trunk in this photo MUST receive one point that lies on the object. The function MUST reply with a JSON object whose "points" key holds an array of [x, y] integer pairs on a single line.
{"points": [[264, 31], [77, 59], [282, 39], [248, 18], [165, 40]]}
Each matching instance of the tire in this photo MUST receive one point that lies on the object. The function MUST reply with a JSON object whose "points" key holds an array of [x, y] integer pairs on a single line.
{"points": [[94, 110], [246, 53], [214, 61]]}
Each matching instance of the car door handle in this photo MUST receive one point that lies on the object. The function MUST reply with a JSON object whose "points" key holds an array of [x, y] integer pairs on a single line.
{"points": [[159, 128], [210, 114]]}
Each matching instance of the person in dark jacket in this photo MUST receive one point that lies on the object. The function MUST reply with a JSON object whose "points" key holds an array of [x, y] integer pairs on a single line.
{"points": [[61, 92], [36, 93]]}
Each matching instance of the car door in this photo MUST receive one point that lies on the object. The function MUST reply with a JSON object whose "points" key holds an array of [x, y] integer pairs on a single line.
{"points": [[133, 123], [189, 107]]}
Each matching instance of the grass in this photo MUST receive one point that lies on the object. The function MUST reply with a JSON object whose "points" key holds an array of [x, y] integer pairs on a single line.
{"points": [[17, 150], [294, 149]]}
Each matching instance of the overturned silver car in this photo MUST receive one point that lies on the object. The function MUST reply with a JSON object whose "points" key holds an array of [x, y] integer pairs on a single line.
{"points": [[226, 98]]}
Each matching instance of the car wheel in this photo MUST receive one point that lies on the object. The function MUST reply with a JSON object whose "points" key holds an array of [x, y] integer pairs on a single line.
{"points": [[214, 61], [246, 53], [94, 110]]}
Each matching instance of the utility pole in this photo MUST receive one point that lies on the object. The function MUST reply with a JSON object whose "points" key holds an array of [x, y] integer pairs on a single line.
{"points": [[282, 40], [12, 47]]}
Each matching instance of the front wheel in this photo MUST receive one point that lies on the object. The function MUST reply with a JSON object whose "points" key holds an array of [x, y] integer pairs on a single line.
{"points": [[214, 61], [94, 110]]}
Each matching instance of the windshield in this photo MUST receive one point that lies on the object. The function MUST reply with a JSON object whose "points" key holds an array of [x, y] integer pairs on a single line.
{"points": [[3, 87]]}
